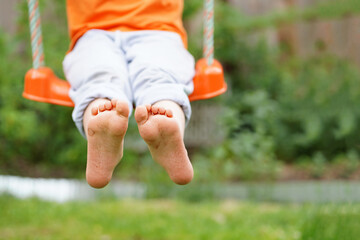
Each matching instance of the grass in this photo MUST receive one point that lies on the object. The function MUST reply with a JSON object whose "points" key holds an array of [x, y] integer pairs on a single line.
{"points": [[169, 219]]}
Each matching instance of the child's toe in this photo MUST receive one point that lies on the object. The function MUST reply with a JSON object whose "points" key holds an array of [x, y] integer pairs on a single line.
{"points": [[94, 111], [102, 107], [108, 106], [162, 110], [113, 102], [169, 113], [141, 114], [155, 109], [122, 108]]}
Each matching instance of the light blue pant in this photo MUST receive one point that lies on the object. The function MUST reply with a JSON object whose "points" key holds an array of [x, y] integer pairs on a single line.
{"points": [[141, 67]]}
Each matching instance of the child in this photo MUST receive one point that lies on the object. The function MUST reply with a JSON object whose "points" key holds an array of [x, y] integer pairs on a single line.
{"points": [[126, 53]]}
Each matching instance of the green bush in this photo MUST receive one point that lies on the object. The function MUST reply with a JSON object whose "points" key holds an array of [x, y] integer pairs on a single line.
{"points": [[282, 107], [309, 108]]}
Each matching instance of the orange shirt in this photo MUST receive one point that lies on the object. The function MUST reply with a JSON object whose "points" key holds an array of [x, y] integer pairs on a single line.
{"points": [[124, 15]]}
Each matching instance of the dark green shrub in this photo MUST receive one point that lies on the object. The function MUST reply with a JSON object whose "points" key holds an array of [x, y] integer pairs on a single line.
{"points": [[279, 107]]}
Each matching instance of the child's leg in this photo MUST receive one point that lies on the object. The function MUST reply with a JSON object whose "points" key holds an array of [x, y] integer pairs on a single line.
{"points": [[161, 72], [97, 71]]}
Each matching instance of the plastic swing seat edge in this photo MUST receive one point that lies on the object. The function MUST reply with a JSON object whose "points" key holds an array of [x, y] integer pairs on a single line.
{"points": [[209, 80], [43, 85], [47, 100], [219, 92]]}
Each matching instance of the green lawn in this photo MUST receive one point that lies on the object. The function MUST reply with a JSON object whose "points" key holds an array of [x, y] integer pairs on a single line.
{"points": [[170, 219]]}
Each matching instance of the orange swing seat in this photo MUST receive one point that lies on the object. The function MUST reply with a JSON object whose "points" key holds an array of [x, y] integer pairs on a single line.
{"points": [[43, 85]]}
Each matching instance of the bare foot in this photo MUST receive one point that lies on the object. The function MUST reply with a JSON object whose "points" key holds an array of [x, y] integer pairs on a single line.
{"points": [[105, 130], [162, 133]]}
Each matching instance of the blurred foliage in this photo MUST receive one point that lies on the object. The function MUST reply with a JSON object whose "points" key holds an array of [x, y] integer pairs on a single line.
{"points": [[305, 107], [231, 18], [282, 107], [35, 136], [279, 107]]}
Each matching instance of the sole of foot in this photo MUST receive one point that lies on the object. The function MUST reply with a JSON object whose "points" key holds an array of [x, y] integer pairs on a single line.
{"points": [[106, 129], [162, 134]]}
